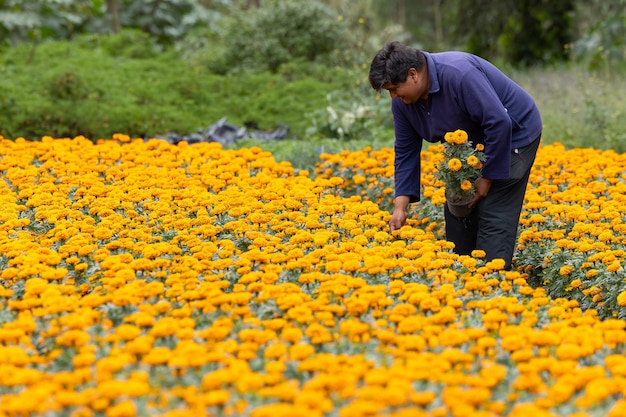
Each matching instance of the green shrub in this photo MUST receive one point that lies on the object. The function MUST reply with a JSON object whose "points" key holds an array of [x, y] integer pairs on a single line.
{"points": [[91, 87], [129, 43], [349, 115], [268, 37]]}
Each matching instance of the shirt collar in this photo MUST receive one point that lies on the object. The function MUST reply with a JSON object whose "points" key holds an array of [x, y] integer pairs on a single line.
{"points": [[432, 73]]}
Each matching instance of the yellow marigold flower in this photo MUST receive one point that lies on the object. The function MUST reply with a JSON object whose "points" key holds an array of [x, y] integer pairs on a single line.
{"points": [[576, 283], [140, 345], [157, 356], [457, 137], [84, 359], [466, 185], [621, 299], [127, 331], [614, 266], [618, 409], [351, 265], [217, 397], [35, 286], [125, 408], [275, 350], [455, 164], [566, 270], [318, 333], [291, 334], [569, 351], [73, 338], [300, 351], [473, 161], [477, 253], [561, 392], [422, 398], [359, 179], [495, 265], [597, 390]]}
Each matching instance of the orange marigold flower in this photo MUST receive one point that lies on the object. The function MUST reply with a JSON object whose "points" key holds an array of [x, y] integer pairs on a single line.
{"points": [[466, 185], [458, 137], [621, 299], [473, 161], [455, 164]]}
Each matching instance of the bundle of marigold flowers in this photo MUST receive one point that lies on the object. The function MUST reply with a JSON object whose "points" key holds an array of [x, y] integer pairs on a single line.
{"points": [[460, 166]]}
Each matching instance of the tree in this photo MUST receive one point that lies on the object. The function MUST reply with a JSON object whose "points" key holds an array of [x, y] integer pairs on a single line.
{"points": [[113, 11], [267, 37], [522, 32]]}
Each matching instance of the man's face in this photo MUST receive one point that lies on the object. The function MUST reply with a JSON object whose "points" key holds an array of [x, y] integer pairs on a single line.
{"points": [[411, 90]]}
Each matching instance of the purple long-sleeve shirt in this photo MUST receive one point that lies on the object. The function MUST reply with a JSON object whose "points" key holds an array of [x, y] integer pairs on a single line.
{"points": [[468, 93]]}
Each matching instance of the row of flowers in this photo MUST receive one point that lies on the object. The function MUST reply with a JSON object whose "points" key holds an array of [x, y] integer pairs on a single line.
{"points": [[149, 279]]}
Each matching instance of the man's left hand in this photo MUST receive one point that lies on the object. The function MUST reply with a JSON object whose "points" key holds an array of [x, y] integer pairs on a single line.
{"points": [[482, 189]]}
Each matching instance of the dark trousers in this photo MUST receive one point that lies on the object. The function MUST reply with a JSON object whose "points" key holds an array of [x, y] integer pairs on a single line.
{"points": [[492, 226]]}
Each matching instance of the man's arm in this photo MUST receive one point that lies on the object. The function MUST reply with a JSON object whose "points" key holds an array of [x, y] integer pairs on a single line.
{"points": [[400, 212]]}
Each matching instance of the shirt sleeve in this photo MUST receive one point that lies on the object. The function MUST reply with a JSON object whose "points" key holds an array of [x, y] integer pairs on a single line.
{"points": [[407, 150], [479, 99]]}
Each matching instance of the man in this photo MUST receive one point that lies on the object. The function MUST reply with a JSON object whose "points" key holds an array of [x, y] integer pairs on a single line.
{"points": [[436, 93]]}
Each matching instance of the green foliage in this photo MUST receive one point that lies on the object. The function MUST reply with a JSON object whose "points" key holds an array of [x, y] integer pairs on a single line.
{"points": [[350, 115], [97, 87], [266, 38], [36, 20], [128, 43], [164, 20], [603, 44], [527, 32], [601, 29], [537, 32]]}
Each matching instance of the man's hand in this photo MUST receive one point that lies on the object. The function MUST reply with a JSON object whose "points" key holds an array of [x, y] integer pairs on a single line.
{"points": [[400, 212], [398, 218], [482, 189]]}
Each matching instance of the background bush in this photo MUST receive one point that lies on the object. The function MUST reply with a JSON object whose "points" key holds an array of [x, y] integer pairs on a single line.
{"points": [[284, 31], [99, 86]]}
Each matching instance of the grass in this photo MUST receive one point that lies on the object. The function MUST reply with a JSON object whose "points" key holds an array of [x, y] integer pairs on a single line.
{"points": [[580, 108]]}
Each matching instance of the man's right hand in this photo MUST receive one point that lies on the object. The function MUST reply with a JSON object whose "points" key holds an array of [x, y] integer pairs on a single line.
{"points": [[400, 212]]}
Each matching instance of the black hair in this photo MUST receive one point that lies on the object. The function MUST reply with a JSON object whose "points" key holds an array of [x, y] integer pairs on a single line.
{"points": [[392, 63]]}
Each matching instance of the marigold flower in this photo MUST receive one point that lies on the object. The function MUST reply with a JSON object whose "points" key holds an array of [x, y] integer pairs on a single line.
{"points": [[466, 185], [455, 164], [157, 356], [477, 253], [125, 408], [300, 351], [473, 161], [457, 137]]}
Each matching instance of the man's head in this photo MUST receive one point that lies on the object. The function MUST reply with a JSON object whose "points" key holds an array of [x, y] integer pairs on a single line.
{"points": [[401, 70]]}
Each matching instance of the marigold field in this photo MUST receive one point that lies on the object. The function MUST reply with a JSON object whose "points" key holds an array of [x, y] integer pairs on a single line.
{"points": [[140, 278]]}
